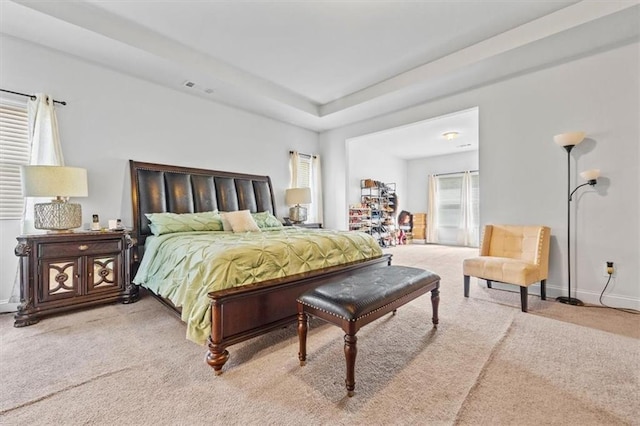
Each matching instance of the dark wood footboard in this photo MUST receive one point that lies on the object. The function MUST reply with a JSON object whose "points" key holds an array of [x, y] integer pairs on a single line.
{"points": [[241, 313]]}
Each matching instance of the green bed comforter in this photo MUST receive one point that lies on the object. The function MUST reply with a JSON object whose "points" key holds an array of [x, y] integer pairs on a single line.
{"points": [[184, 267]]}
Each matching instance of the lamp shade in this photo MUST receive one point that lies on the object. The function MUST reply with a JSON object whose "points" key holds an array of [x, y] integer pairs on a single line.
{"points": [[570, 138], [54, 181], [590, 174], [297, 196]]}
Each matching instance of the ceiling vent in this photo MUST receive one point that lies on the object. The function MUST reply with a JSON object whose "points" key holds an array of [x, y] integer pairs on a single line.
{"points": [[191, 85]]}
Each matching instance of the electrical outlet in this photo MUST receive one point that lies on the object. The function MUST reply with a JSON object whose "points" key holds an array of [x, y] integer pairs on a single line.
{"points": [[609, 269]]}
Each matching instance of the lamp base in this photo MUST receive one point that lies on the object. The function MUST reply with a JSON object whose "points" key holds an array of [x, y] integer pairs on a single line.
{"points": [[57, 216], [298, 214], [569, 301]]}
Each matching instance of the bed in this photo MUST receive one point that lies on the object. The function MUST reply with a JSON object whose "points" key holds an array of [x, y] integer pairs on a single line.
{"points": [[237, 312]]}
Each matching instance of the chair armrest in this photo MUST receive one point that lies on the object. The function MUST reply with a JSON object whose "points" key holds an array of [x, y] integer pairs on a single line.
{"points": [[486, 240], [542, 253]]}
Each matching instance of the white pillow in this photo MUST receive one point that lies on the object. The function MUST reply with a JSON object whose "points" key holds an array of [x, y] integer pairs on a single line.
{"points": [[226, 226], [241, 221]]}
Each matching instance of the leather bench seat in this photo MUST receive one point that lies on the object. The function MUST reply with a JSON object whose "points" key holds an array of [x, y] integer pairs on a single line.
{"points": [[358, 299]]}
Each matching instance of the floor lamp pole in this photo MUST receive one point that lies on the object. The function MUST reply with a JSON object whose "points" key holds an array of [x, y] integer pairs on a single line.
{"points": [[568, 299]]}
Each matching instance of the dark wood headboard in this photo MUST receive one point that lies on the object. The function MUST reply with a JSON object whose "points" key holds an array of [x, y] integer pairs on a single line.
{"points": [[160, 188]]}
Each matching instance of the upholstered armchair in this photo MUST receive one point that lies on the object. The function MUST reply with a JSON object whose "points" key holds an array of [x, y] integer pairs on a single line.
{"points": [[514, 255]]}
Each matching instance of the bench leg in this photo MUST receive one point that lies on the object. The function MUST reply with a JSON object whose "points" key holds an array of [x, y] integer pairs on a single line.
{"points": [[524, 293], [435, 302], [303, 325], [543, 289], [489, 285], [466, 286], [350, 352]]}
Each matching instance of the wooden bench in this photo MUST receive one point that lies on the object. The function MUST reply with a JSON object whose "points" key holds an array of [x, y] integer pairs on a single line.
{"points": [[354, 301]]}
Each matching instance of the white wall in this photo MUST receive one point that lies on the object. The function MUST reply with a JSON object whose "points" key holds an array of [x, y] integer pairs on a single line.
{"points": [[111, 118], [366, 163], [419, 169], [523, 172]]}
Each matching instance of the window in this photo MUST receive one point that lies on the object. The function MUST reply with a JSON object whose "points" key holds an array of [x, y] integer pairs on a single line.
{"points": [[304, 171], [14, 152], [457, 205]]}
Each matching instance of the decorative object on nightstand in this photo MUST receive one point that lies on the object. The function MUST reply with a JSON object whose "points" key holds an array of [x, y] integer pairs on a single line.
{"points": [[65, 271], [568, 141], [55, 181], [294, 197]]}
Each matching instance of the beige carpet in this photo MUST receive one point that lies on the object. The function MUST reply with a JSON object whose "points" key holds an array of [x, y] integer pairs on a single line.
{"points": [[486, 364]]}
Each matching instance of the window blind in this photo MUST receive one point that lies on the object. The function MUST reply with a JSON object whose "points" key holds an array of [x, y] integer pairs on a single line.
{"points": [[304, 171], [14, 152]]}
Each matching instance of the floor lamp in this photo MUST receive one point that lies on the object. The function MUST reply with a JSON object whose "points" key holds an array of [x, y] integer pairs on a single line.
{"points": [[568, 141]]}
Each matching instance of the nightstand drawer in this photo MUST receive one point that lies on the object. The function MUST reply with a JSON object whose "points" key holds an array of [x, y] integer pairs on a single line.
{"points": [[79, 248]]}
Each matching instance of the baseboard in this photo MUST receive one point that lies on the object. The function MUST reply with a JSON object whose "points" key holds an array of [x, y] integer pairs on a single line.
{"points": [[611, 300], [5, 306]]}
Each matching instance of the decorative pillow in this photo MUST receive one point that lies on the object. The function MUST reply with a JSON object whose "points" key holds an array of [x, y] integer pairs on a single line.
{"points": [[166, 223], [226, 226], [266, 220], [241, 221]]}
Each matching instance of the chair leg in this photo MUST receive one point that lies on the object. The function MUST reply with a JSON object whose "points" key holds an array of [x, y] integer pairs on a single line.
{"points": [[489, 284], [466, 286], [543, 289], [524, 297]]}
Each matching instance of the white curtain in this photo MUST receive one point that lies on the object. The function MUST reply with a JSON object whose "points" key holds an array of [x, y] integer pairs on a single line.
{"points": [[45, 147], [309, 174], [464, 231], [43, 132], [432, 211], [294, 158], [315, 213], [45, 150]]}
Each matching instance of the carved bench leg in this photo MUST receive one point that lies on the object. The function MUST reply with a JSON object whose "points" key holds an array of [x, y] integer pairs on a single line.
{"points": [[435, 302], [350, 352], [303, 326], [216, 356]]}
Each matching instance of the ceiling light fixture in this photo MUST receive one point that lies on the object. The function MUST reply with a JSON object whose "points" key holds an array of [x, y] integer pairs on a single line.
{"points": [[450, 135]]}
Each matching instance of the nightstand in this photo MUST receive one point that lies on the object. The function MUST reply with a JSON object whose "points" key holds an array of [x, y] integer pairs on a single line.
{"points": [[64, 271], [309, 225]]}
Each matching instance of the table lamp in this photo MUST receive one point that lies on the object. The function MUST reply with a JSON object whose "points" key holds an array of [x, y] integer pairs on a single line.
{"points": [[60, 182], [297, 196]]}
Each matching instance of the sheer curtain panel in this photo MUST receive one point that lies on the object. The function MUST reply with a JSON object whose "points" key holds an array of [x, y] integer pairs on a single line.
{"points": [[306, 172]]}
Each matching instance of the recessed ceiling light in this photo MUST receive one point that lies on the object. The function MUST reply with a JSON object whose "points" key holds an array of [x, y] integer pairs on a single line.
{"points": [[450, 135]]}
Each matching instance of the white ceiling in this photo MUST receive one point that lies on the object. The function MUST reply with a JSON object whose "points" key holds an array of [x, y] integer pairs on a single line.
{"points": [[321, 64], [426, 138]]}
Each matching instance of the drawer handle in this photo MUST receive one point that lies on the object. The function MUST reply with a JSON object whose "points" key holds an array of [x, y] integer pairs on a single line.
{"points": [[83, 247]]}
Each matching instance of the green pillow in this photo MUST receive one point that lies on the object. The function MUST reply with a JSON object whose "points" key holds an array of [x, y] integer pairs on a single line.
{"points": [[266, 220], [166, 223]]}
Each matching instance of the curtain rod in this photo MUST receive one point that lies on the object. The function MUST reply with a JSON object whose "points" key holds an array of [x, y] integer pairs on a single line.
{"points": [[304, 155], [455, 173], [32, 97]]}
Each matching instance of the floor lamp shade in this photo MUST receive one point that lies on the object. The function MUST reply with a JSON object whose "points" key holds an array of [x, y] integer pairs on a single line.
{"points": [[60, 183], [297, 196], [569, 138]]}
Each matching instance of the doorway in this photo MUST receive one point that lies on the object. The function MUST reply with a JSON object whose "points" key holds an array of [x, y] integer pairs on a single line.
{"points": [[407, 155]]}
